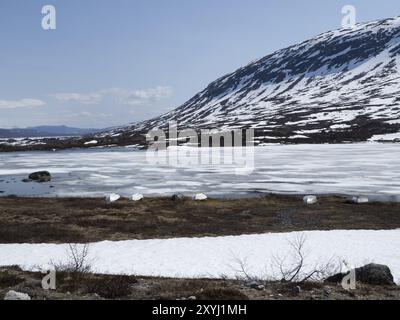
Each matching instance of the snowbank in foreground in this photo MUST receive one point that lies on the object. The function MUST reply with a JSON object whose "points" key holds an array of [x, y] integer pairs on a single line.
{"points": [[213, 257]]}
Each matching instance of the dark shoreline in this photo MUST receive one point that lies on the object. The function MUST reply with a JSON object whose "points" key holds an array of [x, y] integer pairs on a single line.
{"points": [[139, 140]]}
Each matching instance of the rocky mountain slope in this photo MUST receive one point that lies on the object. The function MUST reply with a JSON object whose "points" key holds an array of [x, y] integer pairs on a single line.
{"points": [[342, 85]]}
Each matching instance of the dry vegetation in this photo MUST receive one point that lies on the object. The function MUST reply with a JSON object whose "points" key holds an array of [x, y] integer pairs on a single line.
{"points": [[86, 220], [94, 286]]}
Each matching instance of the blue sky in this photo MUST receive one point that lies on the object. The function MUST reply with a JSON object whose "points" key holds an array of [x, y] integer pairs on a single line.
{"points": [[113, 62]]}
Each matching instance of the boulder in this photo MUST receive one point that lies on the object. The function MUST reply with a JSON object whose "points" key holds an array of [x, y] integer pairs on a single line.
{"points": [[373, 274], [310, 200], [359, 200], [40, 176], [137, 197], [200, 197], [14, 295], [112, 197], [177, 197]]}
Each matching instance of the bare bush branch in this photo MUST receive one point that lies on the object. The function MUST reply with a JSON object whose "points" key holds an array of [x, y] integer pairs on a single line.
{"points": [[294, 270], [78, 260], [242, 269]]}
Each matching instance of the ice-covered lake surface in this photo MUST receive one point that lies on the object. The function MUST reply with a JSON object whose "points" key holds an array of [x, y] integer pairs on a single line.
{"points": [[371, 169]]}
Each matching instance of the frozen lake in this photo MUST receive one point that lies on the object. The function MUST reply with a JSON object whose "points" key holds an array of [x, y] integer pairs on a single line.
{"points": [[367, 169]]}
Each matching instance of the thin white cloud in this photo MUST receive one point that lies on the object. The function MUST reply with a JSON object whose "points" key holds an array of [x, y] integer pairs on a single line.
{"points": [[118, 95], [91, 98], [22, 103], [80, 114], [139, 97]]}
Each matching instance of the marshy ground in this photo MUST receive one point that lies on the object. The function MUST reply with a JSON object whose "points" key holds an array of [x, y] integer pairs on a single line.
{"points": [[61, 220]]}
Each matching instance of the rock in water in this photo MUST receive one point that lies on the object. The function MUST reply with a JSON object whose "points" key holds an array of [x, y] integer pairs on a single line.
{"points": [[359, 200], [40, 176], [137, 197], [310, 199], [14, 295], [200, 197], [373, 274], [112, 197]]}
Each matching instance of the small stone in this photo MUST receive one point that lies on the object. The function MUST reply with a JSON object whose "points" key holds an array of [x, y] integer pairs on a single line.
{"points": [[296, 290], [112, 197], [33, 284], [14, 295], [200, 197], [137, 197], [255, 285], [192, 298], [310, 199]]}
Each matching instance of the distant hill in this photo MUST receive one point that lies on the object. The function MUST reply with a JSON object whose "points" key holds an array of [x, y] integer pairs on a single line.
{"points": [[45, 131]]}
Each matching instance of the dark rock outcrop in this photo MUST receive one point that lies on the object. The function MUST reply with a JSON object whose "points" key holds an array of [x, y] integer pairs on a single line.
{"points": [[373, 274]]}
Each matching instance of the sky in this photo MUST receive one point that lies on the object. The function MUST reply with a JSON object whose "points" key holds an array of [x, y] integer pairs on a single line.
{"points": [[114, 62]]}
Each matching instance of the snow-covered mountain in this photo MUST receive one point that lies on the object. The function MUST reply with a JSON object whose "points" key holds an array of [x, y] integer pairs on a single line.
{"points": [[342, 85]]}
